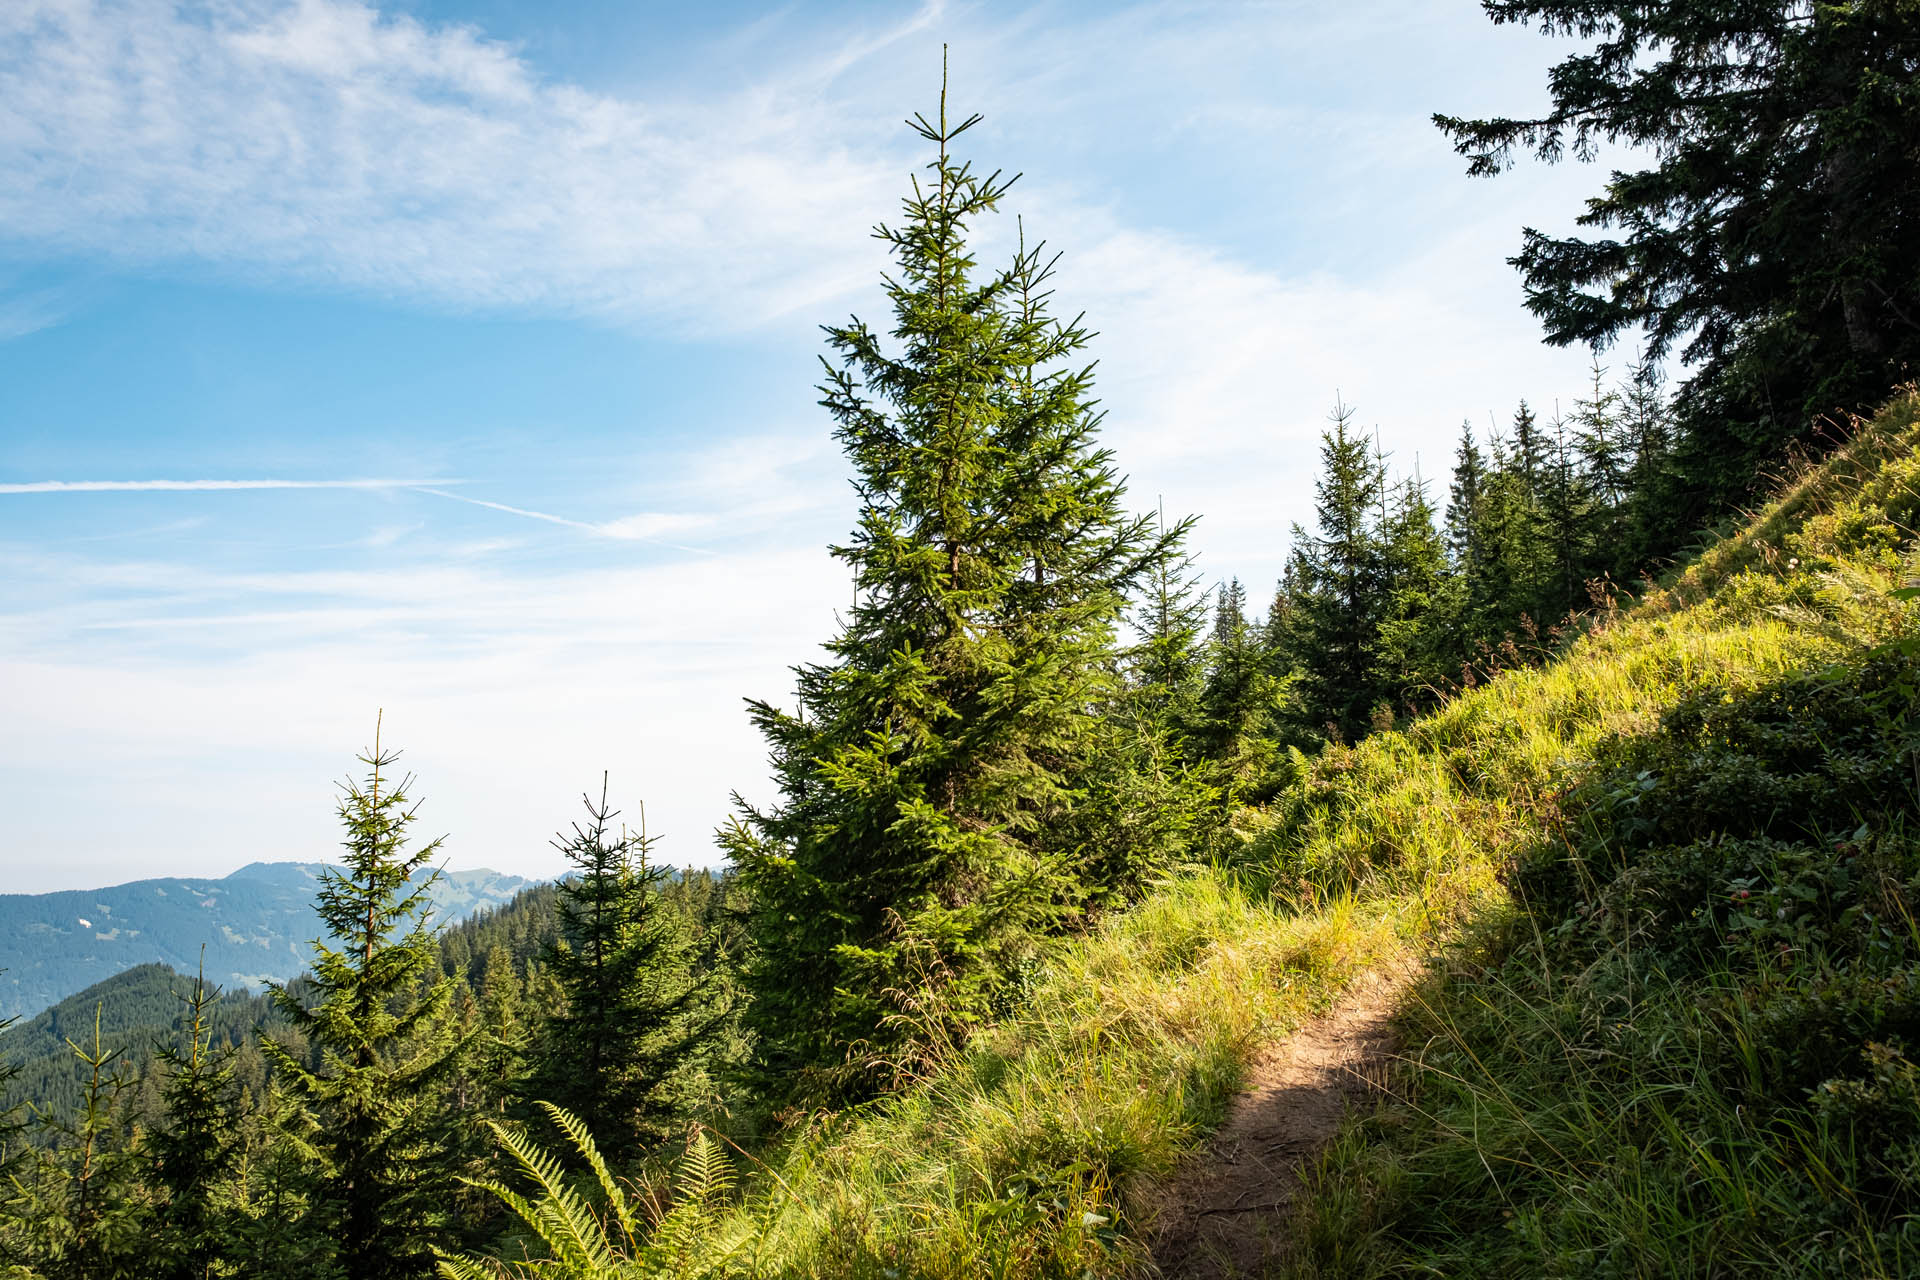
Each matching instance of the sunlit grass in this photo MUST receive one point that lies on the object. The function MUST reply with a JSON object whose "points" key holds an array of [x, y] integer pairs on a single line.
{"points": [[1034, 1149]]}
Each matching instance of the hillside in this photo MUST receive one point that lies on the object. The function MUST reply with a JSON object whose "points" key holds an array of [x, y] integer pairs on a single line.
{"points": [[255, 925], [140, 1008], [1666, 885]]}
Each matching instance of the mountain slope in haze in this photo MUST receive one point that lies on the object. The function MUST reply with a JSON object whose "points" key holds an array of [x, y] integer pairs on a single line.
{"points": [[255, 925], [142, 1008]]}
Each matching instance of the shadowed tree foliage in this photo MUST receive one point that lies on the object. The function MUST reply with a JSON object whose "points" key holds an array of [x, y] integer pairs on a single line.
{"points": [[1772, 238], [637, 1006], [196, 1152]]}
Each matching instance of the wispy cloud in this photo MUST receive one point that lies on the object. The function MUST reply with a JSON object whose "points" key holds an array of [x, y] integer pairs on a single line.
{"points": [[30, 310], [485, 672], [205, 486], [322, 140]]}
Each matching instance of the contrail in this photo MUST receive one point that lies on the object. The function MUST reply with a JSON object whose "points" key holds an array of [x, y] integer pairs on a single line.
{"points": [[585, 526], [512, 511], [204, 486], [416, 486]]}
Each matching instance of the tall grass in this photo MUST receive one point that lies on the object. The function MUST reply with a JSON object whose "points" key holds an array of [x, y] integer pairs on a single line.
{"points": [[1680, 1043], [1034, 1150], [1565, 1107]]}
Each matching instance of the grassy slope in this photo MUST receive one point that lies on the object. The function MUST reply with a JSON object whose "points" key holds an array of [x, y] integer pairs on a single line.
{"points": [[1683, 1045], [1034, 1151]]}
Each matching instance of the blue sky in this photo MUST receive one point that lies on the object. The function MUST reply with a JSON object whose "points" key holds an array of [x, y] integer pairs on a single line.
{"points": [[457, 359]]}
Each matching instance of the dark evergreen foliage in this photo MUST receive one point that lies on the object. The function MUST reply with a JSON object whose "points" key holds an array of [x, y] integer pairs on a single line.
{"points": [[1343, 594], [198, 1147], [639, 1007], [1772, 239]]}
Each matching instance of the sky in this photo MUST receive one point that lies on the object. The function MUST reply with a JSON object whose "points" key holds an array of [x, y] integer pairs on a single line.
{"points": [[454, 362]]}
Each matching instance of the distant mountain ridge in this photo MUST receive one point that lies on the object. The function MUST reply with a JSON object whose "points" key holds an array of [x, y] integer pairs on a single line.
{"points": [[256, 925]]}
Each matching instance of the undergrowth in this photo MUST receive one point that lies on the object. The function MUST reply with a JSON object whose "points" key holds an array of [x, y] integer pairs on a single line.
{"points": [[1685, 1044], [1673, 876]]}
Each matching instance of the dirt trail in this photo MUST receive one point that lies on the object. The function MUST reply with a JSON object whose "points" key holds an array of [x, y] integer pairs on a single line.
{"points": [[1225, 1215]]}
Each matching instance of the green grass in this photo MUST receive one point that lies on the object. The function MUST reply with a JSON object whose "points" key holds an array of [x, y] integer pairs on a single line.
{"points": [[1033, 1151], [1680, 1041], [1618, 1064]]}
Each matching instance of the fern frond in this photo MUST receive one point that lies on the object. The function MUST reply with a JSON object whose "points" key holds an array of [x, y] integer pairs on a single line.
{"points": [[683, 1241], [705, 1172], [558, 1214], [589, 1150]]}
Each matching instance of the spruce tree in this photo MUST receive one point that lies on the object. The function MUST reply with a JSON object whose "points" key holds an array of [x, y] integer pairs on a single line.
{"points": [[1341, 610], [1148, 799], [84, 1207], [1166, 666], [1418, 612], [280, 1230], [1238, 702], [1646, 421], [1502, 587], [920, 845], [1529, 447], [635, 1009], [1599, 436], [1568, 507], [1767, 235], [500, 1063], [196, 1153], [1464, 504], [382, 1043]]}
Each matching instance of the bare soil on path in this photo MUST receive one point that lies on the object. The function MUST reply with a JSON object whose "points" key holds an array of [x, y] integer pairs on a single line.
{"points": [[1226, 1214]]}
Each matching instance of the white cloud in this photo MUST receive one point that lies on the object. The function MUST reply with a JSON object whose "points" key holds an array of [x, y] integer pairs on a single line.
{"points": [[322, 141], [510, 694], [26, 311]]}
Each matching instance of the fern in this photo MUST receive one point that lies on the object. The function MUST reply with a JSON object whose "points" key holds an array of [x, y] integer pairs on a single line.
{"points": [[616, 1198], [688, 1228], [582, 1244]]}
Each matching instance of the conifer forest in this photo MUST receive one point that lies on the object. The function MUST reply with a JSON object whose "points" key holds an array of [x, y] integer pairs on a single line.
{"points": [[1589, 755]]}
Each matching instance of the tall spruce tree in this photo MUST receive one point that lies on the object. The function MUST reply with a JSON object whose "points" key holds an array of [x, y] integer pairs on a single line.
{"points": [[381, 1039], [1646, 424], [197, 1152], [1568, 511], [1167, 664], [1147, 797], [919, 846], [637, 1009], [1464, 502], [1235, 660], [1503, 587], [85, 1211]]}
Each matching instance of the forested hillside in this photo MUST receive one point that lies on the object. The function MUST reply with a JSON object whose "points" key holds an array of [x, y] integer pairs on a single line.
{"points": [[140, 1009], [1615, 753], [254, 926]]}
